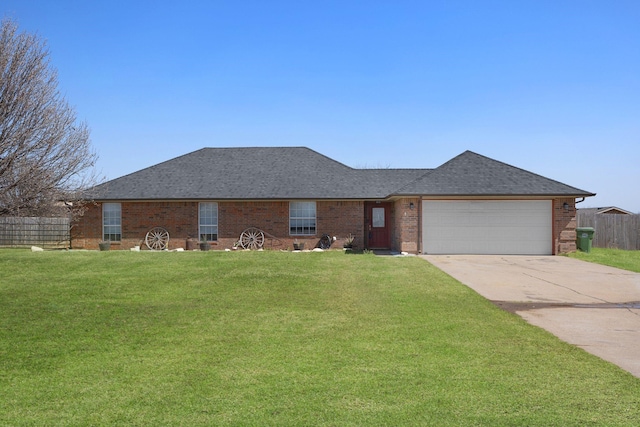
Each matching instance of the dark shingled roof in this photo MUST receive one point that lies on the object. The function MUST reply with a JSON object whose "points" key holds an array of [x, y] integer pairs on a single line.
{"points": [[300, 173], [254, 173], [471, 174]]}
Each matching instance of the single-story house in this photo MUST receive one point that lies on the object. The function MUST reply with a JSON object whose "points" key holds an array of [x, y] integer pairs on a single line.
{"points": [[471, 204], [608, 210]]}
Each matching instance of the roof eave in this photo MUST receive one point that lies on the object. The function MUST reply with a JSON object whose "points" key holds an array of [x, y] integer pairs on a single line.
{"points": [[500, 195]]}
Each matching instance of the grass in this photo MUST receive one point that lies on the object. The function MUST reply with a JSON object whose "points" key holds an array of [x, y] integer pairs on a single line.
{"points": [[280, 339], [627, 260]]}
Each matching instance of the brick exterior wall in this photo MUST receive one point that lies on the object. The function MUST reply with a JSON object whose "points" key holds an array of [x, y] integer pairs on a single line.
{"points": [[336, 218], [180, 219], [564, 226], [341, 218], [405, 231]]}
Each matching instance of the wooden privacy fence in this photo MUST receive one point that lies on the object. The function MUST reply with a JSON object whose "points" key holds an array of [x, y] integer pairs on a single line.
{"points": [[43, 232], [611, 230]]}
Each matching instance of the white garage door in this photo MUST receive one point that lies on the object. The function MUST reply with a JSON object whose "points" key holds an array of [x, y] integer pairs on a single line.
{"points": [[487, 227]]}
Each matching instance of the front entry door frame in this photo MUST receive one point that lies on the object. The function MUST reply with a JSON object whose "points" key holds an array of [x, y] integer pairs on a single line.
{"points": [[378, 225]]}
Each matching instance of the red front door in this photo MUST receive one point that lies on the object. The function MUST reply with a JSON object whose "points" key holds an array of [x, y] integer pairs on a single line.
{"points": [[378, 225]]}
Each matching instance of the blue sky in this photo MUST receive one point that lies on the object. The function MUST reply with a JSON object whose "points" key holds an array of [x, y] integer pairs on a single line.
{"points": [[549, 86]]}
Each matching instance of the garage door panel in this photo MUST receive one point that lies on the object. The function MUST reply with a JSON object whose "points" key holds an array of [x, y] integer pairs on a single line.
{"points": [[487, 227]]}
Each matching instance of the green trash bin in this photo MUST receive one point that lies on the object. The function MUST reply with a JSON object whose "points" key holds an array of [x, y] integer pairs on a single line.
{"points": [[584, 238]]}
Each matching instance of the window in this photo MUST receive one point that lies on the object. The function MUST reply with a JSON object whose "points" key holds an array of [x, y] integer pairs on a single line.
{"points": [[378, 217], [208, 222], [302, 218], [111, 222]]}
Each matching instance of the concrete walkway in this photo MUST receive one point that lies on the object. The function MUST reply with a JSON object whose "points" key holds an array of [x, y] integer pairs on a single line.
{"points": [[591, 306]]}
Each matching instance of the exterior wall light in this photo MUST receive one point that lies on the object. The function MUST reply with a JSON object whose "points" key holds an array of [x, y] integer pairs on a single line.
{"points": [[565, 206], [411, 206]]}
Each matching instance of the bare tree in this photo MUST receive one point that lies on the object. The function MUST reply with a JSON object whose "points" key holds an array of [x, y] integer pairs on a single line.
{"points": [[45, 153]]}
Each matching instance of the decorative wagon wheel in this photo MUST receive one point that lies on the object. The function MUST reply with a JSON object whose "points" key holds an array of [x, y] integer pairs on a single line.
{"points": [[325, 241], [252, 238], [157, 239]]}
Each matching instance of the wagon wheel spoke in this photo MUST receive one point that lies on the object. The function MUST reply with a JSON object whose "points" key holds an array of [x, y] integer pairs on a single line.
{"points": [[157, 239], [252, 238]]}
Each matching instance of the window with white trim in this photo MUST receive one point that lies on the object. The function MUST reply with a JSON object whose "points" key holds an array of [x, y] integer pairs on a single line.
{"points": [[111, 222], [208, 221], [302, 218]]}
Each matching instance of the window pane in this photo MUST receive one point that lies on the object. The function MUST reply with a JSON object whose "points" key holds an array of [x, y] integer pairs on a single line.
{"points": [[111, 222], [302, 218], [208, 221], [378, 217]]}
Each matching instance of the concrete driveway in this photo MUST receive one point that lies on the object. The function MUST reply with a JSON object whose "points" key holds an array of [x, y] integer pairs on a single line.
{"points": [[591, 306]]}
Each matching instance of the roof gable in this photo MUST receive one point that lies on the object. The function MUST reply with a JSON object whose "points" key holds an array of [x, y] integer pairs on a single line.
{"points": [[471, 174]]}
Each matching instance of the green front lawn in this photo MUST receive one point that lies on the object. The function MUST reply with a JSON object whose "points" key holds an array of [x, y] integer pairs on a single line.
{"points": [[627, 260], [280, 339]]}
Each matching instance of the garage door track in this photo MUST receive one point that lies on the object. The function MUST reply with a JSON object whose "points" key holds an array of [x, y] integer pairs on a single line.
{"points": [[592, 306]]}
